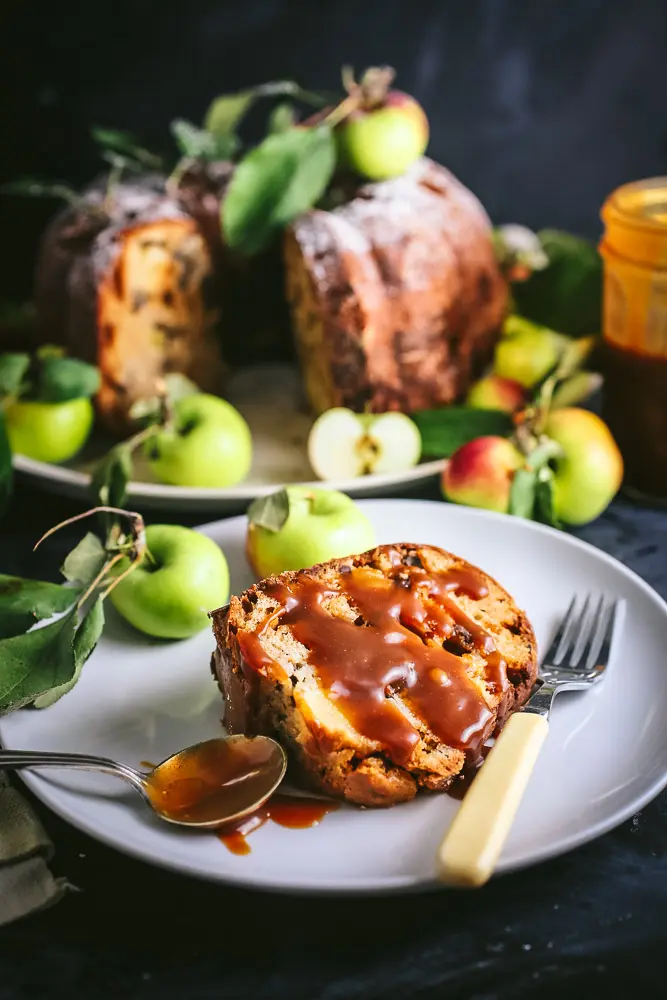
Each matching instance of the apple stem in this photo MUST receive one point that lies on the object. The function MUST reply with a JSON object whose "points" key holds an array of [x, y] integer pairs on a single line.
{"points": [[98, 579], [136, 518]]}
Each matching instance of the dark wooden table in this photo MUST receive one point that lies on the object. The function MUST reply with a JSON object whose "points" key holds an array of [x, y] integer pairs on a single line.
{"points": [[591, 923]]}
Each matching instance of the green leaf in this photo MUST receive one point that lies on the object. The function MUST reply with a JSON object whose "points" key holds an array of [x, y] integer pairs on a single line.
{"points": [[225, 113], [126, 144], [85, 561], [281, 178], [567, 294], [61, 379], [282, 117], [6, 467], [110, 478], [13, 369], [444, 431], [270, 512], [576, 389], [198, 143], [522, 493], [544, 498], [85, 640], [35, 188], [35, 662], [25, 602]]}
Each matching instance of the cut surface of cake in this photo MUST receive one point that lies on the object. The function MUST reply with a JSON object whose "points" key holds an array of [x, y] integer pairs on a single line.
{"points": [[380, 674], [396, 295]]}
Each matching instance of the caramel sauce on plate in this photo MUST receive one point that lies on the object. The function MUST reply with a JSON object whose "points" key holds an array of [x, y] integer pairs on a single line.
{"points": [[405, 639], [295, 813]]}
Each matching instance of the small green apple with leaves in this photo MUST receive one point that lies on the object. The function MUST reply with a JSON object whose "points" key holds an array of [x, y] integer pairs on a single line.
{"points": [[299, 527], [46, 403], [385, 130]]}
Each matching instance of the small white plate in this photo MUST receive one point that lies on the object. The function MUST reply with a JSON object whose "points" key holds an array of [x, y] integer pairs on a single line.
{"points": [[605, 757], [270, 398]]}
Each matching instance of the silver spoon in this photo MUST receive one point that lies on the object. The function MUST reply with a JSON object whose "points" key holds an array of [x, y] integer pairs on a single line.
{"points": [[208, 785]]}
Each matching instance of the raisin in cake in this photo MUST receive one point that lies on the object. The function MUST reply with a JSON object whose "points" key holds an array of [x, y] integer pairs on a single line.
{"points": [[381, 674], [396, 296]]}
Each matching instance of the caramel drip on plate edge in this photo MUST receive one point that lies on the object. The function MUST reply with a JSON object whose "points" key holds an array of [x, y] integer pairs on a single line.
{"points": [[397, 644]]}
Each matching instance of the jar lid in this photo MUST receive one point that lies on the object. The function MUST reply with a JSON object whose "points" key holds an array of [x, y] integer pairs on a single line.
{"points": [[635, 217]]}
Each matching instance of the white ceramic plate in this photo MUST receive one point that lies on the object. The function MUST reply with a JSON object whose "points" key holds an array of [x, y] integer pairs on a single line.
{"points": [[270, 398], [605, 757]]}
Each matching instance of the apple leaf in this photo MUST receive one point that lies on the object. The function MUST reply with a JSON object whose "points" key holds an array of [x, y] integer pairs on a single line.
{"points": [[6, 467], [270, 512], [61, 379], [278, 180], [110, 478], [544, 498], [567, 294], [35, 662], [226, 112], [522, 493], [13, 369], [201, 144], [25, 602], [85, 561], [444, 431], [85, 640], [282, 117], [124, 144]]}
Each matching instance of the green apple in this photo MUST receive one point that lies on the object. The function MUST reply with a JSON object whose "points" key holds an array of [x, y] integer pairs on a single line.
{"points": [[343, 444], [49, 432], [181, 577], [299, 527], [209, 446], [383, 141], [589, 472], [526, 353]]}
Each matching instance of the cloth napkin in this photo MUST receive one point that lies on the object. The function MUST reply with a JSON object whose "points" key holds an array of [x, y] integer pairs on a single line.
{"points": [[26, 883]]}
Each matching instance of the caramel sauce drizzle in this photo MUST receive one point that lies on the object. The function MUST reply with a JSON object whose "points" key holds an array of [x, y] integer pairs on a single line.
{"points": [[397, 644]]}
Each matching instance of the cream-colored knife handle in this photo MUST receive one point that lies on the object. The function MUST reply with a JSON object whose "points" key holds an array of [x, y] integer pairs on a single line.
{"points": [[472, 845]]}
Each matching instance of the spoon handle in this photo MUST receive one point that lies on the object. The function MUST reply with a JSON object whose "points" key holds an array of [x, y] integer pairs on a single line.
{"points": [[16, 760]]}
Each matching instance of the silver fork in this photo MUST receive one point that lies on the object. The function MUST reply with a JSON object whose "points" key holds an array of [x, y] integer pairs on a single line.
{"points": [[576, 660]]}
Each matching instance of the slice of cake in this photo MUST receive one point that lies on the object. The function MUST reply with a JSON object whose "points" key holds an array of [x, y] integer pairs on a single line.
{"points": [[381, 673]]}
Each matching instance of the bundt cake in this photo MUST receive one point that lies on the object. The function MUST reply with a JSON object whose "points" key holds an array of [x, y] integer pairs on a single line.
{"points": [[396, 296]]}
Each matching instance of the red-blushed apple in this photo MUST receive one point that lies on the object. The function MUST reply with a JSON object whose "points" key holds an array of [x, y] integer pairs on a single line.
{"points": [[496, 393], [383, 141], [588, 474], [299, 527], [209, 446], [49, 432], [182, 576], [480, 473]]}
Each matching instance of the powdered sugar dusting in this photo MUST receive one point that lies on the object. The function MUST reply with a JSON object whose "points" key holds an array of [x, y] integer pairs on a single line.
{"points": [[421, 204]]}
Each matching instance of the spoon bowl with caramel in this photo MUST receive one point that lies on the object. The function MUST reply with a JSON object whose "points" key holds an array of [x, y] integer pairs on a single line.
{"points": [[209, 785]]}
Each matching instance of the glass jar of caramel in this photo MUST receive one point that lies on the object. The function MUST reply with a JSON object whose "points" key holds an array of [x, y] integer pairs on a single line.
{"points": [[634, 251]]}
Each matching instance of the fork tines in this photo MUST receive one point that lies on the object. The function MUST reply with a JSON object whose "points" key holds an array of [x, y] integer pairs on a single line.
{"points": [[583, 639]]}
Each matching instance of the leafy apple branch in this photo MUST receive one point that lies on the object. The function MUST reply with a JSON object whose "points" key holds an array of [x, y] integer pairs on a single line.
{"points": [[38, 665]]}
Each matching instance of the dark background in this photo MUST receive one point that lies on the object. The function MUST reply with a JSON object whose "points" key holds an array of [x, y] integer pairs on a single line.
{"points": [[541, 108]]}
